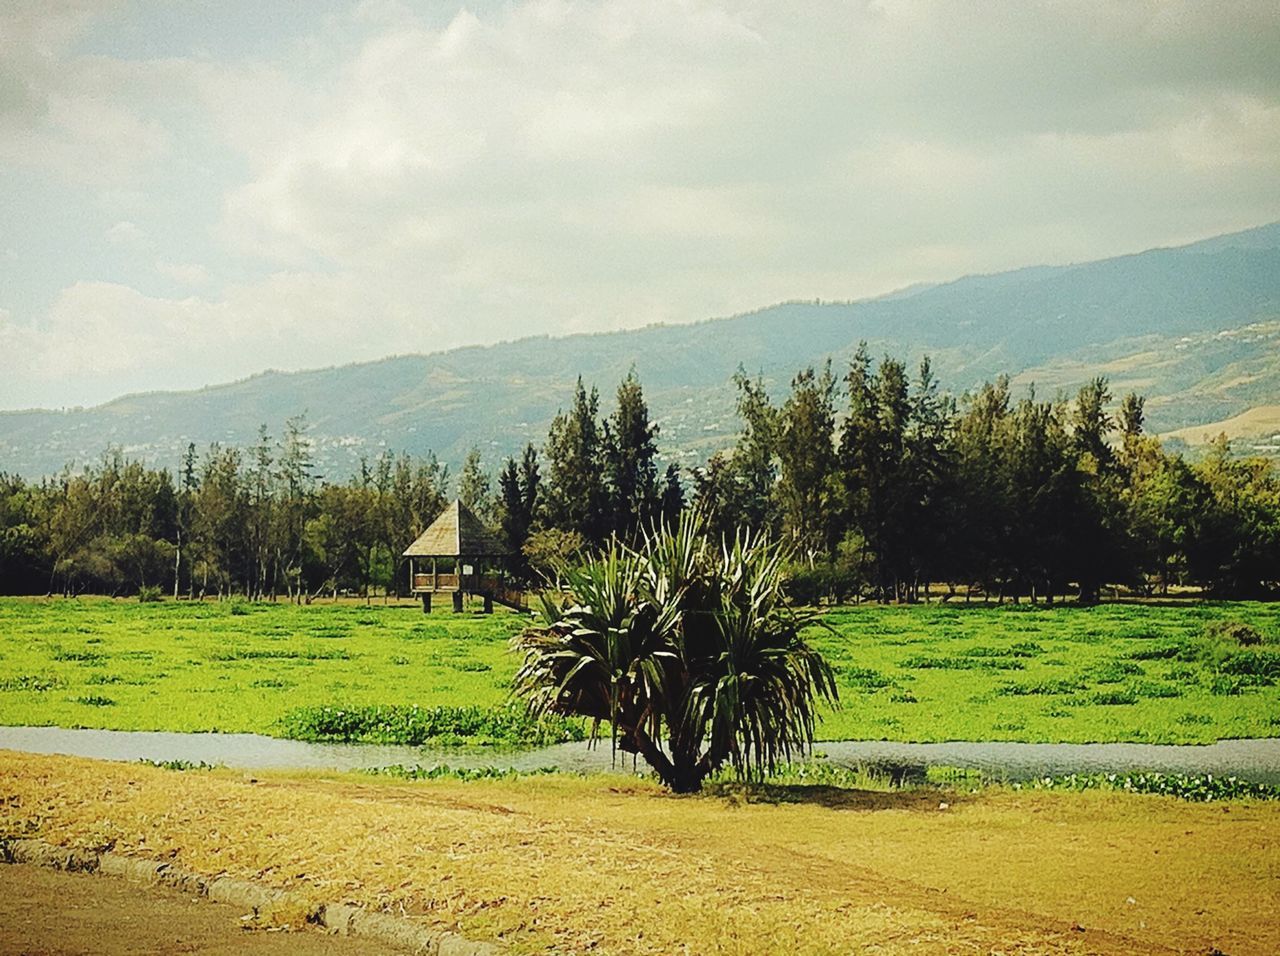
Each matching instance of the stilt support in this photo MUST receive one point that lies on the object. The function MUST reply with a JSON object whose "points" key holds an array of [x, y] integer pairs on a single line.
{"points": [[457, 602], [426, 602]]}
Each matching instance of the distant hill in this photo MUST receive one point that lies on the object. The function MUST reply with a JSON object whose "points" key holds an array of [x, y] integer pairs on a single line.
{"points": [[1197, 328], [1257, 429]]}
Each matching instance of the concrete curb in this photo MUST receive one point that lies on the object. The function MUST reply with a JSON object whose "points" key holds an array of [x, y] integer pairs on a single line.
{"points": [[340, 918]]}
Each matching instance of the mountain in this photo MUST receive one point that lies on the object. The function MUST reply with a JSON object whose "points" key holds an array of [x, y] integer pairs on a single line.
{"points": [[1196, 328]]}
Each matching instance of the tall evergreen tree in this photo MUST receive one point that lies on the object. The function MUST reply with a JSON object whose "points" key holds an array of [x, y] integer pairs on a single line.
{"points": [[630, 453], [575, 496], [474, 487], [806, 450], [754, 460]]}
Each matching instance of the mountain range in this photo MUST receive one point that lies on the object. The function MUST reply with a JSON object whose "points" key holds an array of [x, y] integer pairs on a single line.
{"points": [[1195, 328]]}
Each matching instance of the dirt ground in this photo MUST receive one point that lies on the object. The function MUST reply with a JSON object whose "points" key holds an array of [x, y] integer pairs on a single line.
{"points": [[609, 864], [46, 912]]}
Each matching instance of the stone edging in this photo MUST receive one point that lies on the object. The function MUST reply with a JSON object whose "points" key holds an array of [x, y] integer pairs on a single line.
{"points": [[340, 918]]}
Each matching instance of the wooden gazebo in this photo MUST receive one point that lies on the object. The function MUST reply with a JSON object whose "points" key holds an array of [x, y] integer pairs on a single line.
{"points": [[458, 541]]}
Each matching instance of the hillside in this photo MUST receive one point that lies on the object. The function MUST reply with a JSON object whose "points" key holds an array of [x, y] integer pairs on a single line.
{"points": [[1197, 328], [1257, 429]]}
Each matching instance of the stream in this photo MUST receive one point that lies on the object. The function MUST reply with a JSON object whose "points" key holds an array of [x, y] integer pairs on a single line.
{"points": [[1257, 760]]}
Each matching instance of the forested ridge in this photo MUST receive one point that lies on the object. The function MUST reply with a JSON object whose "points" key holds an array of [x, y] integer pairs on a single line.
{"points": [[887, 487]]}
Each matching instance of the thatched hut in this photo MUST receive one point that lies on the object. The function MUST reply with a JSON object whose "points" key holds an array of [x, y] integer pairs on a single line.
{"points": [[460, 543]]}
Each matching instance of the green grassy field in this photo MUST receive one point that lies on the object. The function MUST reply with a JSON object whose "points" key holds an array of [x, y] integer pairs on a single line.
{"points": [[929, 673]]}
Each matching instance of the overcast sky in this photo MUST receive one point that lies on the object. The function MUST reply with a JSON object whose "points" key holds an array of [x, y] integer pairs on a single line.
{"points": [[193, 193]]}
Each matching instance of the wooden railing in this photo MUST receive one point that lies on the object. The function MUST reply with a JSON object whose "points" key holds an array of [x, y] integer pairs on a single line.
{"points": [[435, 582], [489, 584]]}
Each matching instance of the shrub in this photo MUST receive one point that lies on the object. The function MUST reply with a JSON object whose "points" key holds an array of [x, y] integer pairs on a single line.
{"points": [[149, 594], [438, 726], [178, 765], [1236, 632], [1043, 687], [863, 678], [465, 774], [687, 649], [986, 662], [1198, 787], [31, 682]]}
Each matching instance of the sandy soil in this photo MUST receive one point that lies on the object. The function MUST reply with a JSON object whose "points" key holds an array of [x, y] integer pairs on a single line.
{"points": [[49, 913], [613, 865]]}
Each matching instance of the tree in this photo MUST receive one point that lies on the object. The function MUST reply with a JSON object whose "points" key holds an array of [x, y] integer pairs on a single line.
{"points": [[806, 450], [687, 650], [754, 460], [517, 504], [672, 502], [630, 459], [575, 495], [474, 489]]}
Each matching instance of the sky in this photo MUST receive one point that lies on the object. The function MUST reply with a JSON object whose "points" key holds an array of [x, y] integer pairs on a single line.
{"points": [[192, 193]]}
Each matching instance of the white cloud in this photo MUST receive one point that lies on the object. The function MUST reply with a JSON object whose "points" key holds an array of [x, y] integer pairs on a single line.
{"points": [[184, 273], [125, 233], [549, 165]]}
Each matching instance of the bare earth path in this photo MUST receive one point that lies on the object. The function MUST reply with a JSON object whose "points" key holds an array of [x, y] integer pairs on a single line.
{"points": [[47, 912]]}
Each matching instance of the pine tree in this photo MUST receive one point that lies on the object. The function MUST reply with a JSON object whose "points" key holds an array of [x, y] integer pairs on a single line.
{"points": [[631, 470], [806, 450], [754, 460], [575, 494], [474, 488]]}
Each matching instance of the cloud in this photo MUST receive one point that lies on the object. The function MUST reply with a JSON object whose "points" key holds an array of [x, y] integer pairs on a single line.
{"points": [[184, 273], [403, 182], [125, 233]]}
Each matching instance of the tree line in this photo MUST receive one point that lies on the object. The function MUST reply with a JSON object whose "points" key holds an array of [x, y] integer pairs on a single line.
{"points": [[261, 523], [889, 487], [885, 486]]}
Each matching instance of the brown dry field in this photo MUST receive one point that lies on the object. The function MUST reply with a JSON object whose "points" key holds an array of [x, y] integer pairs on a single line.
{"points": [[614, 865]]}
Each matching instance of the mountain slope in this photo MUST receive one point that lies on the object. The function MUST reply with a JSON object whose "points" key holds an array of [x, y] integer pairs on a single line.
{"points": [[1161, 311]]}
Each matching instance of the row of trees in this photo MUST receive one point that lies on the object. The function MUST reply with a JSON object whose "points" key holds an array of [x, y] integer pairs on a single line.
{"points": [[884, 485], [262, 523], [887, 485]]}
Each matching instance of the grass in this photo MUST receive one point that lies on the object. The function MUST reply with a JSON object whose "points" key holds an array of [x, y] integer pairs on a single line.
{"points": [[1132, 672], [611, 864]]}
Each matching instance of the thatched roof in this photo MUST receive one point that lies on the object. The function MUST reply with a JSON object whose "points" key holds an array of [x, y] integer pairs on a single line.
{"points": [[457, 533]]}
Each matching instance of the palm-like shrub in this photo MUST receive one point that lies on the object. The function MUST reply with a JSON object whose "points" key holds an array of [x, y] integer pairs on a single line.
{"points": [[687, 649]]}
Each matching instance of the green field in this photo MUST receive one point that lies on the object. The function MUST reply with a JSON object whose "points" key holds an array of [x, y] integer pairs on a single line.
{"points": [[926, 673]]}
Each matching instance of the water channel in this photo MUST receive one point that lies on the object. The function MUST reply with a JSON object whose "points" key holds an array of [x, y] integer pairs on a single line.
{"points": [[1257, 760]]}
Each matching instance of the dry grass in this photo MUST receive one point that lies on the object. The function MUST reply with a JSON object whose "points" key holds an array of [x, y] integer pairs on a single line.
{"points": [[612, 864], [1261, 421]]}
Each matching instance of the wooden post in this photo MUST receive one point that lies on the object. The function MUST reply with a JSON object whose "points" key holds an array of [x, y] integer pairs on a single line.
{"points": [[457, 601], [488, 603], [426, 602]]}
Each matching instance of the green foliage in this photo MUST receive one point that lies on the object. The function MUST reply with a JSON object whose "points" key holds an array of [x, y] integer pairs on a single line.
{"points": [[149, 594], [1201, 788], [95, 700], [964, 662], [161, 664], [688, 651], [435, 726], [35, 683], [465, 774], [1237, 632]]}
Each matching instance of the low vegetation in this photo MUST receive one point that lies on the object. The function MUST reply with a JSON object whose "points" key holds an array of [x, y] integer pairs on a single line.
{"points": [[1147, 673], [430, 726]]}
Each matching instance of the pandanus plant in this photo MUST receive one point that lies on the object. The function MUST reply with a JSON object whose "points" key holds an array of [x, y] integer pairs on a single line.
{"points": [[686, 648]]}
